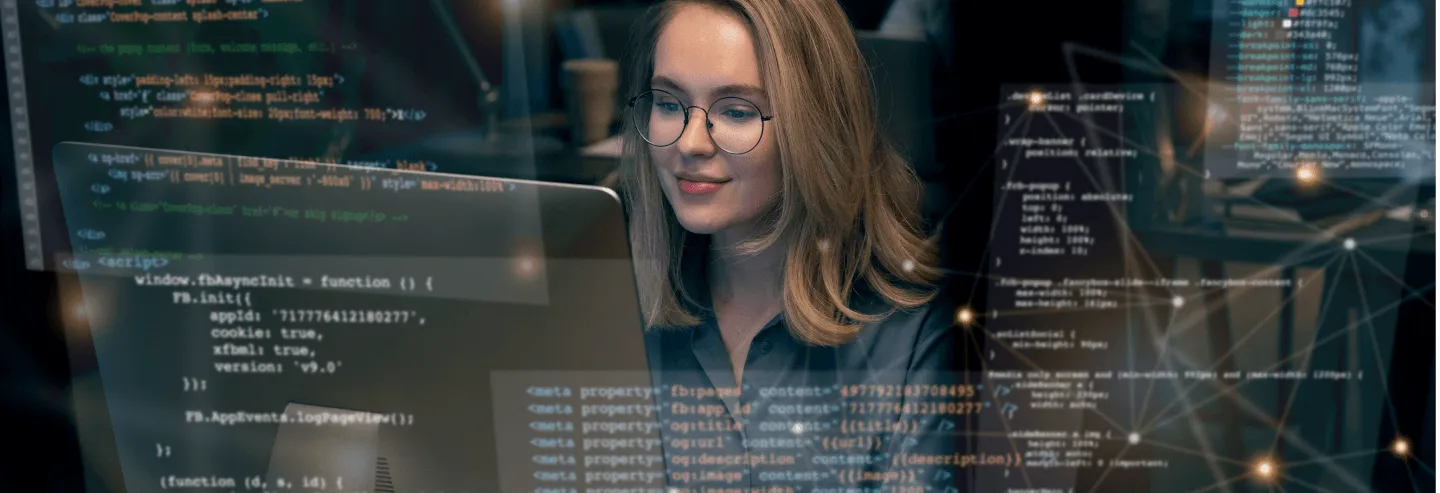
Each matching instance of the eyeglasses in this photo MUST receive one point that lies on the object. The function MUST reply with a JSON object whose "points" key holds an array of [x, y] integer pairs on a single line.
{"points": [[734, 124]]}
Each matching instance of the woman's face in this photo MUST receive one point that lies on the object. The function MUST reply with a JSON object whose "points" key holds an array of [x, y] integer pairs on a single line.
{"points": [[704, 55]]}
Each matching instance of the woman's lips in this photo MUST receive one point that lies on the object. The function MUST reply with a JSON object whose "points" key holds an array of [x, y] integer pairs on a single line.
{"points": [[698, 187]]}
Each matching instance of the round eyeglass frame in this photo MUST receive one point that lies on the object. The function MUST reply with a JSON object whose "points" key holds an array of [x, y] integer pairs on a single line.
{"points": [[630, 105]]}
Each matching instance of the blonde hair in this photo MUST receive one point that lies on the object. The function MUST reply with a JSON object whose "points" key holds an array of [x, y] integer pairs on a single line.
{"points": [[847, 212]]}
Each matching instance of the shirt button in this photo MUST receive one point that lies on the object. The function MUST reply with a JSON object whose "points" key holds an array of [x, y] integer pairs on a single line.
{"points": [[765, 347]]}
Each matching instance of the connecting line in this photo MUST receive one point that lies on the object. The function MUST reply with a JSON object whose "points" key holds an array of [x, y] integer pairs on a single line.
{"points": [[1112, 208], [1070, 49], [1188, 169], [1323, 235], [1162, 69], [1149, 316], [1386, 239], [1410, 474], [1236, 345], [1195, 429], [1195, 322], [1389, 196], [1094, 181], [1357, 194], [1129, 234], [1203, 455], [1220, 483], [1391, 275], [1004, 420], [1325, 304], [1195, 319], [1204, 132], [1136, 145], [459, 41], [1163, 351], [1424, 466], [1331, 458], [1375, 346], [1247, 466], [1108, 468], [1305, 447], [1121, 223], [1158, 424]]}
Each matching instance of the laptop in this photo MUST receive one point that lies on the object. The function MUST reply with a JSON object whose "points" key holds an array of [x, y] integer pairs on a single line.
{"points": [[311, 327]]}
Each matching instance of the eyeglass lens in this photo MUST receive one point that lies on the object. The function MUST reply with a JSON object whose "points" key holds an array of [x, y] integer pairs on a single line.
{"points": [[735, 124]]}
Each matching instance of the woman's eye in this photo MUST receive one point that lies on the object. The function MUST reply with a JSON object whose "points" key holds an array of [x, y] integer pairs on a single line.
{"points": [[668, 107], [738, 114]]}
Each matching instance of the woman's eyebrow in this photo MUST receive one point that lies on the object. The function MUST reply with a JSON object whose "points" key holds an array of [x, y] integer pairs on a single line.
{"points": [[740, 90], [750, 90], [665, 83]]}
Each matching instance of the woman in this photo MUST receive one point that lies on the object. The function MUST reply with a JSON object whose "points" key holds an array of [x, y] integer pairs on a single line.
{"points": [[782, 270]]}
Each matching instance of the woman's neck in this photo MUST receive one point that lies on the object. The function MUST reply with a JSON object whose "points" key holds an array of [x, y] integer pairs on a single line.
{"points": [[751, 281]]}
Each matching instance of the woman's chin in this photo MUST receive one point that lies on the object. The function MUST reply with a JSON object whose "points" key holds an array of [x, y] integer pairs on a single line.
{"points": [[701, 225]]}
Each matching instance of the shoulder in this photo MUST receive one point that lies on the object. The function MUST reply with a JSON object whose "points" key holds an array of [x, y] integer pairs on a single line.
{"points": [[922, 329], [938, 312]]}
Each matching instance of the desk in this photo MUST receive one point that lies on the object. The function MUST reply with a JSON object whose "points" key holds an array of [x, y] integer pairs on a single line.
{"points": [[605, 154]]}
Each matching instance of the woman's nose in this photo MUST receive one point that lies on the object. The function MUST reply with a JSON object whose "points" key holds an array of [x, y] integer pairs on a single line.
{"points": [[695, 140]]}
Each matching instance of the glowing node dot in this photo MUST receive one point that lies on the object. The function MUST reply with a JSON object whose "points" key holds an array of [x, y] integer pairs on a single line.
{"points": [[79, 310], [1036, 98], [1265, 469], [1400, 447], [1216, 113], [1134, 438], [797, 429], [1424, 213], [527, 265], [909, 265], [1306, 174], [964, 316], [1349, 243], [1178, 301], [824, 245]]}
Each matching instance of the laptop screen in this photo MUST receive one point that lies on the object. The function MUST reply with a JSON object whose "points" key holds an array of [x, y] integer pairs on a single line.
{"points": [[221, 289]]}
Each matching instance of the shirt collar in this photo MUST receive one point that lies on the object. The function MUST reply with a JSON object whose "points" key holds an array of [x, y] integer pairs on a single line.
{"points": [[705, 341]]}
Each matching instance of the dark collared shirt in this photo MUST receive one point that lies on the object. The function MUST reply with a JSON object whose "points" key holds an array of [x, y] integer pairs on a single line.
{"points": [[884, 409]]}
